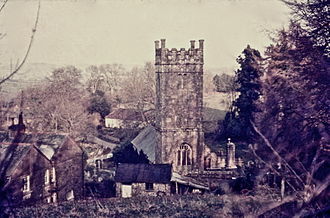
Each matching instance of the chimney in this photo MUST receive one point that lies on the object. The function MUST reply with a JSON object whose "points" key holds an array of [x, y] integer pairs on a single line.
{"points": [[16, 129]]}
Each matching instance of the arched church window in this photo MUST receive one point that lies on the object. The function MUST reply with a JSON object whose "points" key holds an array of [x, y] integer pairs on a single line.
{"points": [[207, 162], [184, 155]]}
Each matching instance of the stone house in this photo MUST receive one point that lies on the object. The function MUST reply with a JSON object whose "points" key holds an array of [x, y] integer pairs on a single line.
{"points": [[39, 167], [23, 177], [153, 180], [142, 179], [121, 116]]}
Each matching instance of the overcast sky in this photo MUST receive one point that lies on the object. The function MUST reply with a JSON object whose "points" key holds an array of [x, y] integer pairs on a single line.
{"points": [[108, 31]]}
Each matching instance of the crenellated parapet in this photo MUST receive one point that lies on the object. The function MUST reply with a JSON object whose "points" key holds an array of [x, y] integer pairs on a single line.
{"points": [[192, 56], [179, 106]]}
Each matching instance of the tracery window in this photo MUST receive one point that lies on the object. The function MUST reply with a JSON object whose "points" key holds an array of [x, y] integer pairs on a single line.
{"points": [[184, 155]]}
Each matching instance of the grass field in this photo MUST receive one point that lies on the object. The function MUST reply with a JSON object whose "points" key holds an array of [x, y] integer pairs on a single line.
{"points": [[169, 206]]}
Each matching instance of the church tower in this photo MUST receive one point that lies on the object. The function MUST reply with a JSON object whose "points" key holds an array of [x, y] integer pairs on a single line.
{"points": [[179, 105]]}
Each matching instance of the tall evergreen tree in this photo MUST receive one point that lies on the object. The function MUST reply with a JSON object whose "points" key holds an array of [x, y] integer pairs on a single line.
{"points": [[99, 104], [237, 121]]}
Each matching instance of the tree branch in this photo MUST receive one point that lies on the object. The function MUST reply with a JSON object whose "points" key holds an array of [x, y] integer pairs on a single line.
{"points": [[275, 152], [19, 66], [3, 5]]}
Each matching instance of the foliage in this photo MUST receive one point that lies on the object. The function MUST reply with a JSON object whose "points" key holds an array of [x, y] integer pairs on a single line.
{"points": [[105, 78], [294, 124], [167, 206], [247, 181], [237, 121], [224, 83], [139, 89], [314, 17], [126, 153], [59, 103], [99, 104]]}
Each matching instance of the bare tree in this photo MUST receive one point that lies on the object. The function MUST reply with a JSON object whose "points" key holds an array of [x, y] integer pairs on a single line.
{"points": [[138, 89], [15, 69], [60, 103], [105, 78]]}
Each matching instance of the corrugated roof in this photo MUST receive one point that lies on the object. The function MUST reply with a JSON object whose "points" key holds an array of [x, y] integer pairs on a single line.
{"points": [[143, 173], [146, 141]]}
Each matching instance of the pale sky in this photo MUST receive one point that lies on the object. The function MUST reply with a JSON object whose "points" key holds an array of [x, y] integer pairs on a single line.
{"points": [[107, 31]]}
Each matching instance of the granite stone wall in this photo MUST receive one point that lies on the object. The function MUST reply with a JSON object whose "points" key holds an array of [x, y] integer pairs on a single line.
{"points": [[179, 104]]}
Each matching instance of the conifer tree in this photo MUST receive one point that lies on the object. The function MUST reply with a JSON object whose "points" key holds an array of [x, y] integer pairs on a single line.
{"points": [[237, 121]]}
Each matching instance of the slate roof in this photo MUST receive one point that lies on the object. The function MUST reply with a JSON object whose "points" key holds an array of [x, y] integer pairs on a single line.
{"points": [[10, 156], [45, 142], [125, 114], [146, 141], [49, 143], [143, 173], [189, 181]]}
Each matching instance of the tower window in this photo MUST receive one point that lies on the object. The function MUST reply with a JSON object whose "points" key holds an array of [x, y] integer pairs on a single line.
{"points": [[184, 155], [181, 81]]}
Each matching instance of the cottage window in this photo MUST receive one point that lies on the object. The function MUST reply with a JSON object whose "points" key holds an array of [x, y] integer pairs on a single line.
{"points": [[98, 164], [149, 186], [26, 184], [47, 177], [54, 197], [53, 177], [181, 81], [184, 155]]}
